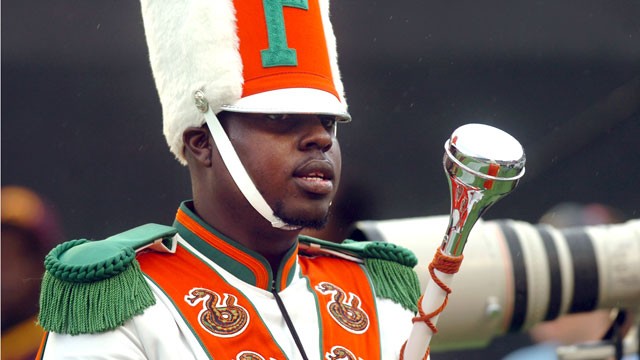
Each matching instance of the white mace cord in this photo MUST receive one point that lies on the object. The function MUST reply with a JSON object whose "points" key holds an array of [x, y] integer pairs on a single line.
{"points": [[431, 304], [239, 173]]}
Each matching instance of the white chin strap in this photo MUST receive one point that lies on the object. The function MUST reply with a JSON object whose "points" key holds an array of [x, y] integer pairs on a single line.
{"points": [[239, 173]]}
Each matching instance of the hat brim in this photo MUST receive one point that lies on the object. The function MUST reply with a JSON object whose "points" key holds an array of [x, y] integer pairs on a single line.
{"points": [[291, 101]]}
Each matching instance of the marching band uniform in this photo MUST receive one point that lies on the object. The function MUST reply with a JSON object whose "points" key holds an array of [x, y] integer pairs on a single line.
{"points": [[216, 299], [189, 292]]}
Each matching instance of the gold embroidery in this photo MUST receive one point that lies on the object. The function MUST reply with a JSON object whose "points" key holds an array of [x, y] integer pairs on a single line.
{"points": [[348, 314], [220, 318]]}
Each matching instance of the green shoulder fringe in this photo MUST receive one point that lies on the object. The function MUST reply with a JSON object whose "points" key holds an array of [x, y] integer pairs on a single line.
{"points": [[390, 266], [95, 286]]}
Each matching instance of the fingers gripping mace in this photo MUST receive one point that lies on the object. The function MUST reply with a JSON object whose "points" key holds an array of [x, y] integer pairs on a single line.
{"points": [[482, 164]]}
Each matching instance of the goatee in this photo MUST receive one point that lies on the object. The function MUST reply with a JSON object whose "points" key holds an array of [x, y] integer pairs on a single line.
{"points": [[313, 223]]}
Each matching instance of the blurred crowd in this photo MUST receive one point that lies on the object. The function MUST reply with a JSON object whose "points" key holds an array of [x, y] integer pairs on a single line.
{"points": [[30, 228]]}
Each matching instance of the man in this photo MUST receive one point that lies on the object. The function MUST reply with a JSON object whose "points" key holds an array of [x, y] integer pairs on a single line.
{"points": [[251, 98]]}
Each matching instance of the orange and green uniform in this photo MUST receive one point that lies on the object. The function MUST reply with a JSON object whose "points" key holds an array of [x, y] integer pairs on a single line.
{"points": [[217, 299]]}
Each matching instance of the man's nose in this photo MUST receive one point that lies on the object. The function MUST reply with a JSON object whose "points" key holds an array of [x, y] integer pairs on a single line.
{"points": [[317, 135]]}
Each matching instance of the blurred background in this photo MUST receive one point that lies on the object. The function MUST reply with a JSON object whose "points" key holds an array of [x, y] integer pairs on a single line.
{"points": [[81, 120]]}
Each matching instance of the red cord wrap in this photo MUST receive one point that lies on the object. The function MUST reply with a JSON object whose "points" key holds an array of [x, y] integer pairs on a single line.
{"points": [[445, 264]]}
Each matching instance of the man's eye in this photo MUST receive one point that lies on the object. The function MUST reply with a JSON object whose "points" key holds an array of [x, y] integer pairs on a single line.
{"points": [[328, 121], [277, 117]]}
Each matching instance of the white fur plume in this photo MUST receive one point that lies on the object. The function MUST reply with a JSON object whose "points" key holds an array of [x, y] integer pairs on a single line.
{"points": [[193, 45], [332, 49]]}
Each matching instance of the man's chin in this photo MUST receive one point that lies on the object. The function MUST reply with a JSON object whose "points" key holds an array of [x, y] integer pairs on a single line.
{"points": [[316, 224], [310, 222]]}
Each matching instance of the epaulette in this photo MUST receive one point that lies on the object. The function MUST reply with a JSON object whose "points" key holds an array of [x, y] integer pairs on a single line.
{"points": [[95, 286], [390, 266]]}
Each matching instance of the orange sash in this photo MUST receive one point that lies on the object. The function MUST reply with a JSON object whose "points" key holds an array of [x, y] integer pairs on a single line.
{"points": [[228, 326], [345, 298], [222, 319]]}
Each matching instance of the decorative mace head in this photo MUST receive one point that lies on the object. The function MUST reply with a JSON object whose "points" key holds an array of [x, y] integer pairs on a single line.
{"points": [[483, 164]]}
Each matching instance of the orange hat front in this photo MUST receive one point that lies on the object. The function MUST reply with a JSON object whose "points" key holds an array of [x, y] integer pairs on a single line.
{"points": [[254, 56]]}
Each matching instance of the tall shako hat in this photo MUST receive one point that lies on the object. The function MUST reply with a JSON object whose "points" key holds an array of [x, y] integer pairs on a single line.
{"points": [[251, 56], [254, 56]]}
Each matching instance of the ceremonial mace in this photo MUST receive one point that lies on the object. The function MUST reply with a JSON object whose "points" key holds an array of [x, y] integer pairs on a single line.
{"points": [[482, 164]]}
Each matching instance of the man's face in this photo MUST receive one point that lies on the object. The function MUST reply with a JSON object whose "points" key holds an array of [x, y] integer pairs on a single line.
{"points": [[294, 161]]}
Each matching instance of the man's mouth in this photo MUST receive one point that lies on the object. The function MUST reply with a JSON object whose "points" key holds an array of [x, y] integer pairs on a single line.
{"points": [[315, 177]]}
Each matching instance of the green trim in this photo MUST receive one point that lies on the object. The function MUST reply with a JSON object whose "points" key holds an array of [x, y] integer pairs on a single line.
{"points": [[200, 257], [318, 314], [367, 249], [394, 281], [291, 275], [80, 308], [177, 309], [375, 305], [219, 257], [390, 267], [280, 274], [95, 286], [84, 261], [236, 268]]}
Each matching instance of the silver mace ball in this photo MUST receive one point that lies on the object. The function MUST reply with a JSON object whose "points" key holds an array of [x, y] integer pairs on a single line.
{"points": [[483, 164]]}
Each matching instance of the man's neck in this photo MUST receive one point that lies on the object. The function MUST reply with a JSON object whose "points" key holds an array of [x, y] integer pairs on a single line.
{"points": [[251, 231]]}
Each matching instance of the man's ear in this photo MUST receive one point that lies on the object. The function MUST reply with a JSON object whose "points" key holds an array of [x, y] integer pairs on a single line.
{"points": [[197, 145]]}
